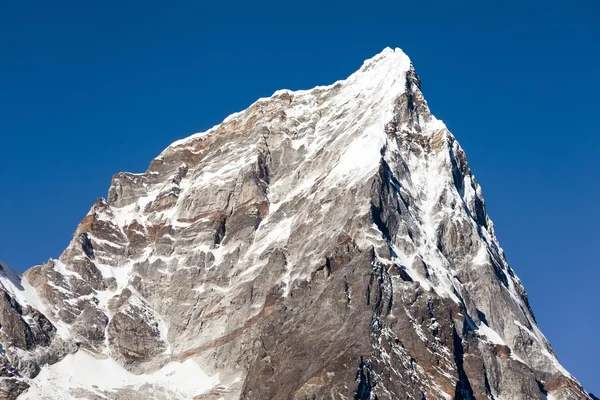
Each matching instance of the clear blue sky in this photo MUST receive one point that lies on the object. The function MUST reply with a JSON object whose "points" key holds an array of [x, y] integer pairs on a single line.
{"points": [[89, 90]]}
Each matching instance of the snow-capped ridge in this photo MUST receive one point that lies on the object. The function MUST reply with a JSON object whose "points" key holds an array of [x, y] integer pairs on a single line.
{"points": [[390, 61]]}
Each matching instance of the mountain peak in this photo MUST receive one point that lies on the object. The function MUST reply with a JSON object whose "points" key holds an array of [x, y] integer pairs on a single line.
{"points": [[379, 81], [387, 69], [331, 240], [395, 55]]}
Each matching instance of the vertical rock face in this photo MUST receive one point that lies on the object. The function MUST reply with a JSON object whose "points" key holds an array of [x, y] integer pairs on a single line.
{"points": [[322, 244]]}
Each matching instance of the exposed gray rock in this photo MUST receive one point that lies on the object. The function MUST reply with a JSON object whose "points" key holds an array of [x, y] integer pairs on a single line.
{"points": [[11, 388], [28, 340], [134, 335]]}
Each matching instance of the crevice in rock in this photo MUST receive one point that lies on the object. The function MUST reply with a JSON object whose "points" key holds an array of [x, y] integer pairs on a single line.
{"points": [[460, 169], [500, 273], [221, 230], [228, 205], [347, 291], [386, 204], [486, 383], [480, 212], [463, 389], [364, 376], [378, 296], [384, 288], [543, 390], [401, 272], [526, 301], [376, 213], [86, 245], [457, 175], [326, 266], [481, 316], [390, 302]]}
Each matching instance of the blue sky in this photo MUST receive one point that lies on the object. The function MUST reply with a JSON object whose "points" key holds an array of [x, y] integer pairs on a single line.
{"points": [[88, 90]]}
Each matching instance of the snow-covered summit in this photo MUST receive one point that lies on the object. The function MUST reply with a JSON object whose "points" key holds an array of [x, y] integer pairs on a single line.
{"points": [[382, 75]]}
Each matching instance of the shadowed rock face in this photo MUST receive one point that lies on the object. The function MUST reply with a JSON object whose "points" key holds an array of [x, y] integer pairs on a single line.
{"points": [[322, 244]]}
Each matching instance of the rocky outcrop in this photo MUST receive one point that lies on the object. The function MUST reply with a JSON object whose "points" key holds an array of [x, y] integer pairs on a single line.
{"points": [[330, 243], [28, 340]]}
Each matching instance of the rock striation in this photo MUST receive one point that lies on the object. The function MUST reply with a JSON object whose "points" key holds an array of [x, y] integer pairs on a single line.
{"points": [[330, 243]]}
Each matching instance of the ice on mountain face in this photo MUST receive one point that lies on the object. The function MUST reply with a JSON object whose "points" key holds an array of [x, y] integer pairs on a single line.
{"points": [[319, 236]]}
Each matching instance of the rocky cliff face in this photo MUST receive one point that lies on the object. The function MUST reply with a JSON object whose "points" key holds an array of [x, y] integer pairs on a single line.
{"points": [[322, 244]]}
